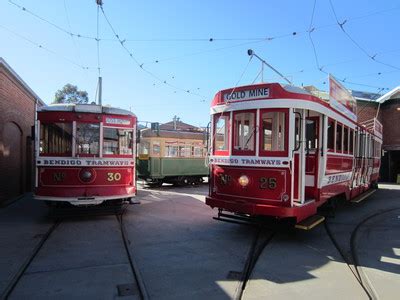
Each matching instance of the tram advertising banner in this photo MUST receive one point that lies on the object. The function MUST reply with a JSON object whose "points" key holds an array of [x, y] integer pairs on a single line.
{"points": [[341, 99]]}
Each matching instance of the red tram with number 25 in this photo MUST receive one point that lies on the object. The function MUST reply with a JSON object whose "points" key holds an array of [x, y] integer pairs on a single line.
{"points": [[85, 154], [278, 150]]}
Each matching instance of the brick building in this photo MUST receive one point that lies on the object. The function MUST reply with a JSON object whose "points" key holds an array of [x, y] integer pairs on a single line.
{"points": [[387, 109], [17, 115]]}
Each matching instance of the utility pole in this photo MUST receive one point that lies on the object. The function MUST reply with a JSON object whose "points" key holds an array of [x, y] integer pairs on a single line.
{"points": [[100, 80]]}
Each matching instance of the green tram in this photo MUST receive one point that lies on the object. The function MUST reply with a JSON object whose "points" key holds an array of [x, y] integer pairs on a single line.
{"points": [[173, 152]]}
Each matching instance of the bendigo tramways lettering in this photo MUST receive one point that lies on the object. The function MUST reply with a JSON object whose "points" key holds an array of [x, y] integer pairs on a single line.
{"points": [[267, 183]]}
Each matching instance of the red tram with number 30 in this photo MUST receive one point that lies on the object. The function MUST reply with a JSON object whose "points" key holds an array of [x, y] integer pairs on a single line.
{"points": [[278, 150], [85, 154]]}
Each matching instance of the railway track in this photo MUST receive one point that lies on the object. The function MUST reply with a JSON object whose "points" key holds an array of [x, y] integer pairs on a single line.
{"points": [[261, 239], [353, 263], [133, 265], [21, 271]]}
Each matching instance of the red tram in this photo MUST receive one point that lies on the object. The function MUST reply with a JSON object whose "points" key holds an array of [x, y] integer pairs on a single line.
{"points": [[85, 154], [278, 150]]}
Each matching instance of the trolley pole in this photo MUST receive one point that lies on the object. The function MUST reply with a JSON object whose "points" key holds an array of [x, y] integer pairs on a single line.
{"points": [[263, 62], [100, 89]]}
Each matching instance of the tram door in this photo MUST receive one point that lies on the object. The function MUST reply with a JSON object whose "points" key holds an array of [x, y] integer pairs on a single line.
{"points": [[305, 156], [311, 156]]}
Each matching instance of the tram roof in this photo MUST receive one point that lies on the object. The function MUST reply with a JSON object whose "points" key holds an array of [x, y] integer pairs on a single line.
{"points": [[275, 90], [86, 108]]}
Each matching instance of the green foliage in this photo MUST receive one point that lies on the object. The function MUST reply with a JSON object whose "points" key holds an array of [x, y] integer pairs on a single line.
{"points": [[70, 94]]}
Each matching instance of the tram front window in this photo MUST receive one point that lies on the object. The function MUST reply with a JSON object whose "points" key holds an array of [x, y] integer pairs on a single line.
{"points": [[87, 139], [221, 133], [273, 131], [56, 139], [244, 129], [117, 141]]}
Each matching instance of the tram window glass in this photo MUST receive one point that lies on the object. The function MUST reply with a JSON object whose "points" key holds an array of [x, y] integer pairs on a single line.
{"points": [[197, 150], [362, 145], [311, 134], [297, 132], [331, 135], [370, 146], [273, 131], [87, 138], [184, 151], [244, 128], [345, 139], [56, 138], [144, 147], [156, 149], [351, 141], [221, 133], [171, 150], [117, 141], [339, 135]]}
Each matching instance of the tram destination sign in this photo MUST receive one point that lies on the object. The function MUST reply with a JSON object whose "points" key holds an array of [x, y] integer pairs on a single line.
{"points": [[249, 161], [84, 162], [255, 93], [117, 121]]}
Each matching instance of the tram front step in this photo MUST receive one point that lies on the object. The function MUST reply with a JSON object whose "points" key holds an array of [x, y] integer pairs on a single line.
{"points": [[363, 196], [310, 222]]}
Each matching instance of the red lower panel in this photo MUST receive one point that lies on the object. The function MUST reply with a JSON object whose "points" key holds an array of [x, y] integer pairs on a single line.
{"points": [[68, 177], [264, 184]]}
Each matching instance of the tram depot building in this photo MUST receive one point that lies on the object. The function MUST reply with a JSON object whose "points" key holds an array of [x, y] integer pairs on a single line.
{"points": [[17, 115]]}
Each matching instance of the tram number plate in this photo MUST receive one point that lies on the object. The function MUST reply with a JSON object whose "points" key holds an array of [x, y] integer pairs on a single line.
{"points": [[267, 183], [113, 176]]}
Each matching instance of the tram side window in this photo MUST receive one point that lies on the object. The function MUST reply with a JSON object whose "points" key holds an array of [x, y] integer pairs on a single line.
{"points": [[345, 139], [311, 134], [351, 141], [184, 151], [273, 131], [331, 135], [56, 139], [171, 149], [339, 135], [87, 138], [144, 147], [117, 141], [244, 129], [156, 149], [197, 150], [221, 133]]}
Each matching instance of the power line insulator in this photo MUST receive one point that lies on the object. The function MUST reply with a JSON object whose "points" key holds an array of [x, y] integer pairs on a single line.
{"points": [[99, 2]]}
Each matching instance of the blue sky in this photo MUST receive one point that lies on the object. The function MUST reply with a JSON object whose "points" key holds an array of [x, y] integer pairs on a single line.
{"points": [[176, 33]]}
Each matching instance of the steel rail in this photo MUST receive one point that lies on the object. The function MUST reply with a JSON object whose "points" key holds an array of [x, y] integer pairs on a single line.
{"points": [[17, 277]]}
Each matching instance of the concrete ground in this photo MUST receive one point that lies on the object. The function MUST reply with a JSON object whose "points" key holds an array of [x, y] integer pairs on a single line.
{"points": [[183, 253]]}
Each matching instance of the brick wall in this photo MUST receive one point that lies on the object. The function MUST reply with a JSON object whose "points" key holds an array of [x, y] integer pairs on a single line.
{"points": [[391, 124], [17, 111]]}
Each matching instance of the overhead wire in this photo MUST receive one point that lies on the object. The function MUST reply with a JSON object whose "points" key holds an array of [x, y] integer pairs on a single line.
{"points": [[45, 48], [310, 30], [74, 42], [140, 65], [355, 42]]}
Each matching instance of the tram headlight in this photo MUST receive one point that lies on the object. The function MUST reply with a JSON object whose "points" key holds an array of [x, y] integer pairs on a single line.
{"points": [[87, 175], [244, 180]]}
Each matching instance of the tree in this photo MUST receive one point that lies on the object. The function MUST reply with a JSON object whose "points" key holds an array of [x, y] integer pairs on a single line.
{"points": [[70, 94]]}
